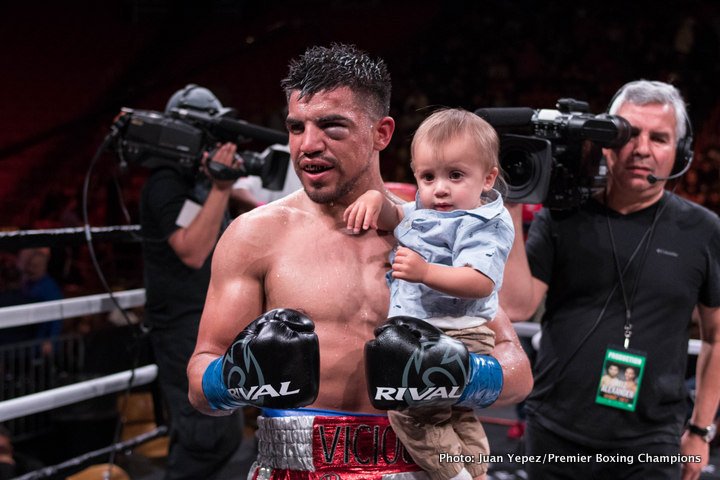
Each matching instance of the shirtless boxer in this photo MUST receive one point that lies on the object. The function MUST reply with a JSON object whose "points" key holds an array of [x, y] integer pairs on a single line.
{"points": [[296, 253]]}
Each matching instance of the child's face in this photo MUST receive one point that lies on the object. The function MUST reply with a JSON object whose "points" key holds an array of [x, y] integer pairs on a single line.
{"points": [[451, 176]]}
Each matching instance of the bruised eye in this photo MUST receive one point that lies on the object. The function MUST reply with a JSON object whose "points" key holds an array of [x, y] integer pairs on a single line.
{"points": [[335, 130]]}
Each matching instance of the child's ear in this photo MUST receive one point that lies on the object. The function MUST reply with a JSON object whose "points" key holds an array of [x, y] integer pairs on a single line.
{"points": [[490, 179]]}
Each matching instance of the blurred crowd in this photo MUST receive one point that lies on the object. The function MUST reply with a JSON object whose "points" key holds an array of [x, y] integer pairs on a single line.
{"points": [[566, 50], [471, 55]]}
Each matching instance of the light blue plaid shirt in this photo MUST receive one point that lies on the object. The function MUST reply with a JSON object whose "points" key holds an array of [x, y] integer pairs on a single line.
{"points": [[480, 238]]}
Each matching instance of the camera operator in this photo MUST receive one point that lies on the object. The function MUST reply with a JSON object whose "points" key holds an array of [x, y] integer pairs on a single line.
{"points": [[182, 217], [622, 274]]}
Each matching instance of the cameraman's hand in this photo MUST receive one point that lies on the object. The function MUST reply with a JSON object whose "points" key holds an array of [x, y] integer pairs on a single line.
{"points": [[225, 155], [194, 243]]}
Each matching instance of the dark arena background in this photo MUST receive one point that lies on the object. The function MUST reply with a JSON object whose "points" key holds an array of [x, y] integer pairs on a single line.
{"points": [[69, 67]]}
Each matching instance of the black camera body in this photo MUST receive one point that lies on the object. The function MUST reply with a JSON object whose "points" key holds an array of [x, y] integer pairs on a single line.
{"points": [[153, 140], [179, 140], [554, 157]]}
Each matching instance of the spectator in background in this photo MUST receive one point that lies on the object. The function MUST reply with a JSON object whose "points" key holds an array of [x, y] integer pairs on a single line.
{"points": [[39, 286], [11, 282], [691, 188], [11, 294]]}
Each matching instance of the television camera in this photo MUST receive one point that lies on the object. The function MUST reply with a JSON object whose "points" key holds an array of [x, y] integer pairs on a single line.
{"points": [[554, 157], [180, 136]]}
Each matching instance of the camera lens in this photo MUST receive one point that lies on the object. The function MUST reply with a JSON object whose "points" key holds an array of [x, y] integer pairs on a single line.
{"points": [[526, 163], [517, 166]]}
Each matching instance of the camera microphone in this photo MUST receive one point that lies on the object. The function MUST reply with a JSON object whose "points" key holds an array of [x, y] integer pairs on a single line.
{"points": [[652, 179], [243, 128], [506, 117], [227, 127]]}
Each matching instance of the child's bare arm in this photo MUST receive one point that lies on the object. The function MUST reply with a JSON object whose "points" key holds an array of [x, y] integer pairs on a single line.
{"points": [[462, 282], [372, 210]]}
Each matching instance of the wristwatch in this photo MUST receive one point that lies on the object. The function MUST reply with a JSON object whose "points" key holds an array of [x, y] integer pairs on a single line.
{"points": [[707, 433]]}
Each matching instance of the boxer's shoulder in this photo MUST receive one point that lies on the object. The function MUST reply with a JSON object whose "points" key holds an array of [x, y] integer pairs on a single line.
{"points": [[266, 222]]}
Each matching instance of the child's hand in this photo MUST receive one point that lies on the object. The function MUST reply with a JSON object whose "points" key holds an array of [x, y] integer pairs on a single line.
{"points": [[364, 212], [409, 265]]}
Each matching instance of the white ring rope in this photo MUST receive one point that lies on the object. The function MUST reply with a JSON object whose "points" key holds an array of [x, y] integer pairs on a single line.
{"points": [[68, 308], [75, 307], [77, 392], [531, 329], [91, 304]]}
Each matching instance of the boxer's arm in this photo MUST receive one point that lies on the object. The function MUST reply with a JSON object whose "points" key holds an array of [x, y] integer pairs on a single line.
{"points": [[517, 374], [235, 298]]}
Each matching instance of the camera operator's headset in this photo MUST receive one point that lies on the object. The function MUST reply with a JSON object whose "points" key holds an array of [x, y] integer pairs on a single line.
{"points": [[683, 148]]}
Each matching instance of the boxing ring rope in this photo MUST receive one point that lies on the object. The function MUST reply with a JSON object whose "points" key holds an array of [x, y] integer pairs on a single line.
{"points": [[31, 313], [80, 460], [17, 239], [101, 303], [532, 330], [76, 392], [70, 394], [19, 315], [74, 307]]}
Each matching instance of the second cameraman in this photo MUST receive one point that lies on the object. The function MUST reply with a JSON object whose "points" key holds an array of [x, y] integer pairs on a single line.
{"points": [[182, 218]]}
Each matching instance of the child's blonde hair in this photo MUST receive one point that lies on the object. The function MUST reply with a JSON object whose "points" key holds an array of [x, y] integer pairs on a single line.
{"points": [[444, 125]]}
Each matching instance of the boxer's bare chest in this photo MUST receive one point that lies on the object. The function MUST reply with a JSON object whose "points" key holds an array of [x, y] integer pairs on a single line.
{"points": [[330, 274]]}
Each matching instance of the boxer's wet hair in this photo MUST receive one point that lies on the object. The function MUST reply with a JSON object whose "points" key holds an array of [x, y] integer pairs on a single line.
{"points": [[340, 65]]}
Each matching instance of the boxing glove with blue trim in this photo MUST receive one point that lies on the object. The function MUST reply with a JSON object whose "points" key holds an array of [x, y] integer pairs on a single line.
{"points": [[411, 363], [274, 362]]}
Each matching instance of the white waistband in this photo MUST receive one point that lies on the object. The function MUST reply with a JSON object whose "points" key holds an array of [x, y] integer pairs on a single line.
{"points": [[285, 442]]}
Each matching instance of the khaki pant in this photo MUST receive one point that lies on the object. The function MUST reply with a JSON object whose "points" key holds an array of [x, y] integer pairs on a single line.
{"points": [[428, 432]]}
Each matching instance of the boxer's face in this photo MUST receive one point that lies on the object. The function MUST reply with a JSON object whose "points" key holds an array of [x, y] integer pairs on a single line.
{"points": [[332, 138]]}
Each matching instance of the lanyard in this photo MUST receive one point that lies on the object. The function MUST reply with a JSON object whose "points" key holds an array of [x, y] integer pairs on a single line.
{"points": [[646, 239]]}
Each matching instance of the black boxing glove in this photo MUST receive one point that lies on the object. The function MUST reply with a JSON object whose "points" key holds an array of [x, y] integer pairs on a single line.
{"points": [[274, 363], [411, 363]]}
